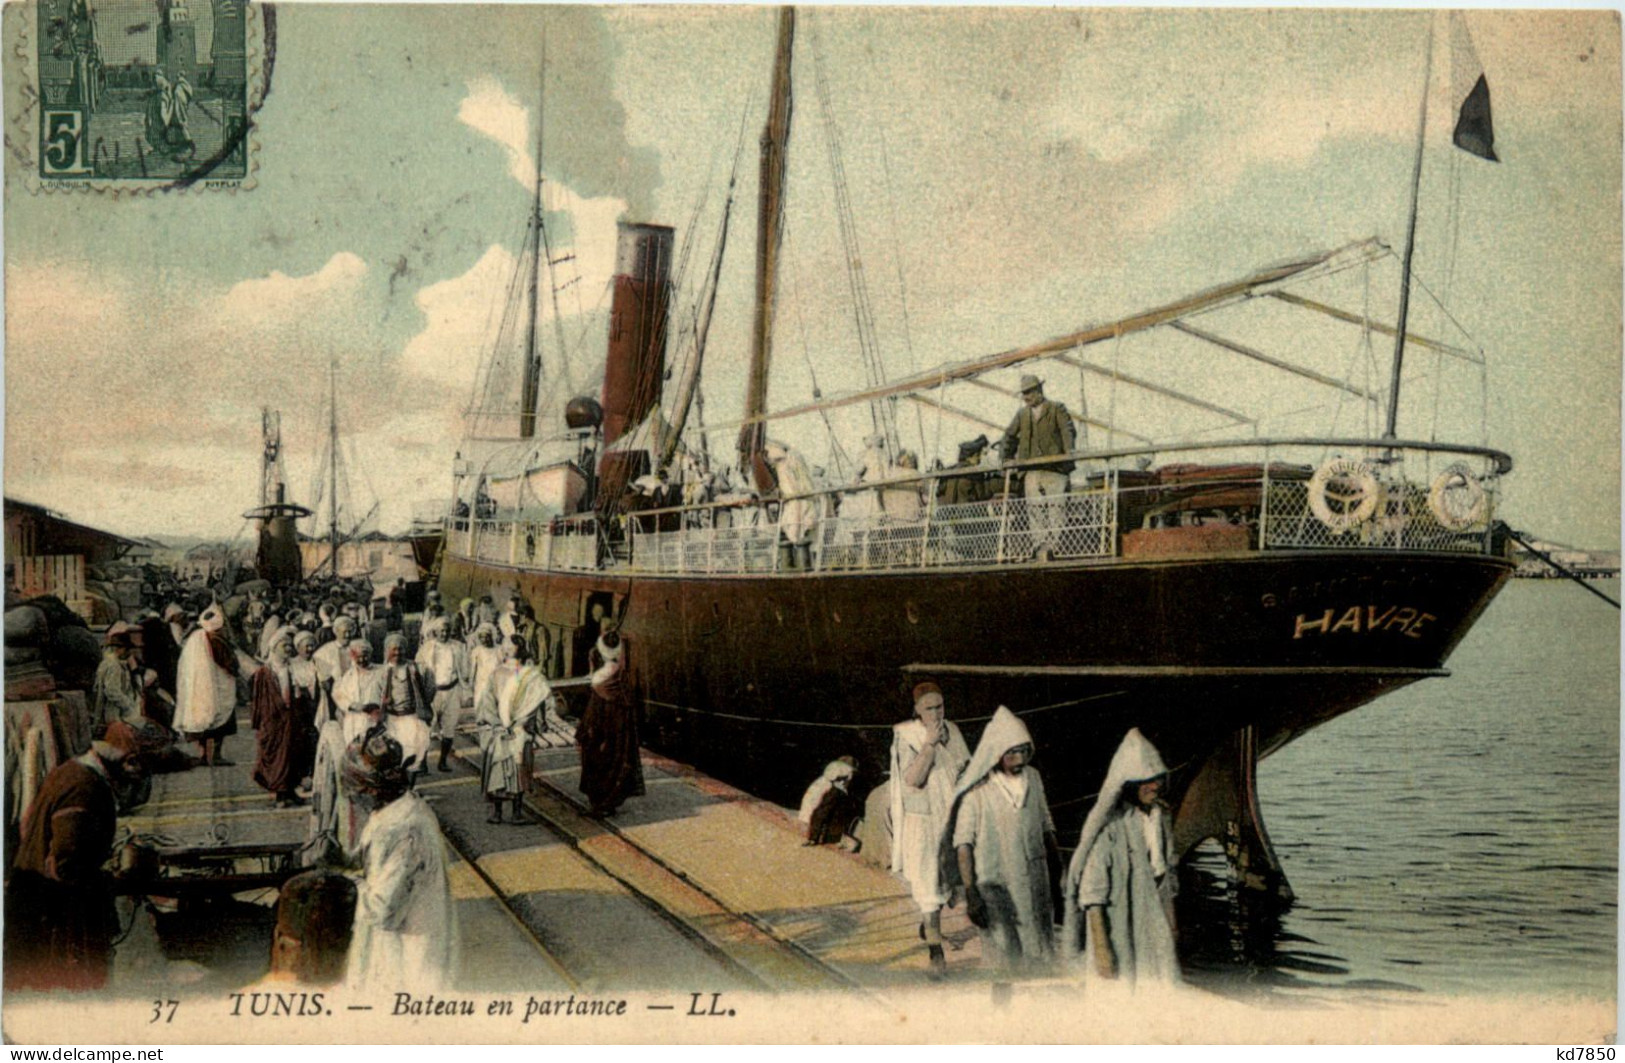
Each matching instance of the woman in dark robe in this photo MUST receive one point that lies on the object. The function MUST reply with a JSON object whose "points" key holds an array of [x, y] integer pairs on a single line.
{"points": [[282, 711], [611, 768]]}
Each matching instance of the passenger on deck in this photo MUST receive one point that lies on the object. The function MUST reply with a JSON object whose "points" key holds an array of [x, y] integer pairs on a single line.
{"points": [[445, 671], [874, 467], [206, 688], [967, 488], [798, 513], [1004, 843], [901, 503], [1042, 428], [405, 934], [611, 763], [282, 712], [830, 809], [1121, 883], [509, 716], [927, 754]]}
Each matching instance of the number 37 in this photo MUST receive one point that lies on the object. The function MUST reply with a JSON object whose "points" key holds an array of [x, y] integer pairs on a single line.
{"points": [[159, 1007]]}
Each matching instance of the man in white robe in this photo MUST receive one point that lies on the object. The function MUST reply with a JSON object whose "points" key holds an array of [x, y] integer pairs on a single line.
{"points": [[1121, 883], [404, 936], [509, 714], [484, 658], [333, 658], [1004, 842], [444, 665], [798, 513], [358, 695], [927, 755]]}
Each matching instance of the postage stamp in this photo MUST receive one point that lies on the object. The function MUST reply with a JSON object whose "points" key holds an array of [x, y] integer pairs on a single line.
{"points": [[143, 94]]}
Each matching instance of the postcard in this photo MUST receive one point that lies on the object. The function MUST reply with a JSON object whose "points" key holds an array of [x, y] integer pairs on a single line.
{"points": [[535, 524]]}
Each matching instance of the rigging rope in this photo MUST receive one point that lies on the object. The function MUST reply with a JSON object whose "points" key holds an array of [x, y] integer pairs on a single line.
{"points": [[882, 412], [1521, 541]]}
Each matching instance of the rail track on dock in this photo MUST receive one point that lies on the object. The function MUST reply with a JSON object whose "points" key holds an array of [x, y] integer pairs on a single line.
{"points": [[751, 953]]}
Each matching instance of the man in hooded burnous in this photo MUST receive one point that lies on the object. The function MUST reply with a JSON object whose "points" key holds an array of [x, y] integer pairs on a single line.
{"points": [[206, 687], [1004, 842], [611, 765], [60, 922], [1121, 883], [927, 755], [404, 935], [509, 716]]}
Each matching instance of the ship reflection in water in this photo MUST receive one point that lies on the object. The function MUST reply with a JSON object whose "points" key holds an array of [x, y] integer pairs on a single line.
{"points": [[1459, 836]]}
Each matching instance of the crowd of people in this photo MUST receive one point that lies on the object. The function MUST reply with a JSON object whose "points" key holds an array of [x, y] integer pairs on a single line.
{"points": [[334, 732], [350, 738]]}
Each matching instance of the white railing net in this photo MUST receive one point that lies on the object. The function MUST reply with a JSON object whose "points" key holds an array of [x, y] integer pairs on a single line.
{"points": [[1275, 501]]}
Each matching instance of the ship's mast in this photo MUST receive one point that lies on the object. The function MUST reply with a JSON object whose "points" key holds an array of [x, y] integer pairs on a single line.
{"points": [[702, 329], [531, 381], [333, 460], [769, 234], [1410, 246]]}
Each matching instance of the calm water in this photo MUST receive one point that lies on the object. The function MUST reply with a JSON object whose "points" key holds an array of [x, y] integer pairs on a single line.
{"points": [[1460, 835]]}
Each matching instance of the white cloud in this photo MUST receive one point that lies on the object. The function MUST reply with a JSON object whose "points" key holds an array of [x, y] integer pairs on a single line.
{"points": [[461, 315], [263, 300], [489, 109]]}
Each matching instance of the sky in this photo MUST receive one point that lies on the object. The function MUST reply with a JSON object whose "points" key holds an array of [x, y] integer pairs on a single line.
{"points": [[1012, 175]]}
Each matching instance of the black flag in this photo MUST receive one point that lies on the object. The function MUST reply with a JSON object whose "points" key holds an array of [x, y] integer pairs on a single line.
{"points": [[1474, 132]]}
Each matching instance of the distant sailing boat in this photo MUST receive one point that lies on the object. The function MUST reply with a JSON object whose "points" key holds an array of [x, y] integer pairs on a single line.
{"points": [[331, 488], [1224, 593]]}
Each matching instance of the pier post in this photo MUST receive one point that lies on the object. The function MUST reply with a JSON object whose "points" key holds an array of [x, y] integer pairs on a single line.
{"points": [[1221, 802]]}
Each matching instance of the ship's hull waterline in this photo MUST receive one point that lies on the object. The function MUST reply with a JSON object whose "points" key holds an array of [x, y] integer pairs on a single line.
{"points": [[761, 680]]}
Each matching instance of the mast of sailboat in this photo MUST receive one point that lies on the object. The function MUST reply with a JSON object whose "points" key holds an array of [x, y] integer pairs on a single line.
{"points": [[702, 326], [770, 215], [333, 460], [1410, 245], [531, 380]]}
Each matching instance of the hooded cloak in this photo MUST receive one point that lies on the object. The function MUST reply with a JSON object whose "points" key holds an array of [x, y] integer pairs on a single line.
{"points": [[1007, 827], [206, 681], [1122, 864]]}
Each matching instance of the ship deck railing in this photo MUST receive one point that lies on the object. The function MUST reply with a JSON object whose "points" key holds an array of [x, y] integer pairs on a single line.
{"points": [[1142, 502]]}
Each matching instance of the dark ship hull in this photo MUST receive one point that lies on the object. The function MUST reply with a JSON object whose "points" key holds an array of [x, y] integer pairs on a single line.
{"points": [[761, 680]]}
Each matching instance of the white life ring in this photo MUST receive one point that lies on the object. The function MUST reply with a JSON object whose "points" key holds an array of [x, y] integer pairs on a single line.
{"points": [[1456, 499], [1343, 493]]}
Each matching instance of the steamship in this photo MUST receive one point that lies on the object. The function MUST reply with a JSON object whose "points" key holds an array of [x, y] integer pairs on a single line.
{"points": [[1223, 595]]}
